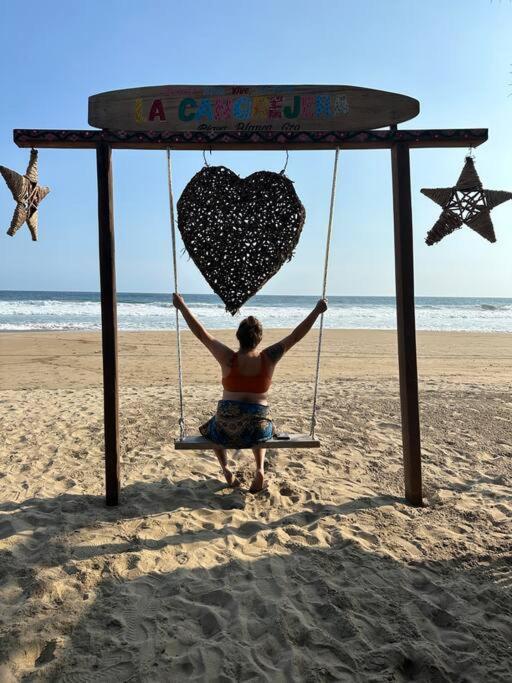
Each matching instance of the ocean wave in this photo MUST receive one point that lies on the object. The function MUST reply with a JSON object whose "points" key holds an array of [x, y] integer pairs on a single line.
{"points": [[491, 307], [141, 312], [49, 326]]}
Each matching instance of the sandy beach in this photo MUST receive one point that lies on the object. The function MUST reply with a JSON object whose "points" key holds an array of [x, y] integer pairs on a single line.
{"points": [[328, 576]]}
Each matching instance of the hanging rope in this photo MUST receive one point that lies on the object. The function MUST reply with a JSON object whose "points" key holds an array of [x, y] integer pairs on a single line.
{"points": [[175, 268], [324, 289]]}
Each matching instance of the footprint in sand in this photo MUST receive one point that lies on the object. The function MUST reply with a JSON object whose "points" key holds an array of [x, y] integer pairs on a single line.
{"points": [[6, 529], [181, 558], [210, 623], [286, 490], [47, 653], [388, 425]]}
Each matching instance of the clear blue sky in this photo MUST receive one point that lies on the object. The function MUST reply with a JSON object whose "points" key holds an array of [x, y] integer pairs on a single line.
{"points": [[454, 57]]}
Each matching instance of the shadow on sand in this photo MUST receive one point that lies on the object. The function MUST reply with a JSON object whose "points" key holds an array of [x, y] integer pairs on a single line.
{"points": [[264, 604]]}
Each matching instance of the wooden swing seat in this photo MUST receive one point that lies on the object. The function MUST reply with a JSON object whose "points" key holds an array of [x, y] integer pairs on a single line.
{"points": [[199, 443]]}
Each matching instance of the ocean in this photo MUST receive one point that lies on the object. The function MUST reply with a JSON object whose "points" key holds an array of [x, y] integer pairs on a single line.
{"points": [[26, 311]]}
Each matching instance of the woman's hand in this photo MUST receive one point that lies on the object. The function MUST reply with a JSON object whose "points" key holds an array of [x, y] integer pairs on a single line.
{"points": [[178, 301], [321, 306]]}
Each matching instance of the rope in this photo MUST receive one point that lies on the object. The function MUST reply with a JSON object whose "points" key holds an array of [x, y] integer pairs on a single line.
{"points": [[181, 421], [324, 289], [285, 163]]}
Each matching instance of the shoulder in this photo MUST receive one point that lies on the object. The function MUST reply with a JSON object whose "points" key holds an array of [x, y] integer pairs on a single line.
{"points": [[275, 352], [221, 352]]}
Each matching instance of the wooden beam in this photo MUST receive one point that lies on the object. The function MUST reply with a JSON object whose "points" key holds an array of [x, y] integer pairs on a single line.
{"points": [[108, 322], [398, 140], [404, 275], [247, 140]]}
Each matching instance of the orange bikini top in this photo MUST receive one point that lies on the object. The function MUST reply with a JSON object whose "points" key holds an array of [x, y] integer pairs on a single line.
{"points": [[253, 384]]}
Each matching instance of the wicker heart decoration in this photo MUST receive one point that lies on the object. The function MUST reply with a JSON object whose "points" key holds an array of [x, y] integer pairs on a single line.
{"points": [[239, 231]]}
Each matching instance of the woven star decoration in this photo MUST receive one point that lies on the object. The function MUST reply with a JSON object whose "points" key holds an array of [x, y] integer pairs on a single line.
{"points": [[467, 202], [27, 195]]}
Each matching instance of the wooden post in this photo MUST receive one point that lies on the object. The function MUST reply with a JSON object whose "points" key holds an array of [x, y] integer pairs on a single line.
{"points": [[108, 321], [399, 141], [404, 275]]}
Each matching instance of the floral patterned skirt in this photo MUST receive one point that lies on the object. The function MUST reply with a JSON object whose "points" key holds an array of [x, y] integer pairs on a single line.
{"points": [[237, 424]]}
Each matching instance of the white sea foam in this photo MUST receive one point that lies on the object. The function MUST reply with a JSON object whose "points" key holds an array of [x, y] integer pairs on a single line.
{"points": [[155, 312]]}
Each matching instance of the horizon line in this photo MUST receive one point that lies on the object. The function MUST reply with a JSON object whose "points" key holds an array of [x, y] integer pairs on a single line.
{"points": [[90, 291]]}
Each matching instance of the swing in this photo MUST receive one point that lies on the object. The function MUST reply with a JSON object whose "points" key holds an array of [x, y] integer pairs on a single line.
{"points": [[199, 442]]}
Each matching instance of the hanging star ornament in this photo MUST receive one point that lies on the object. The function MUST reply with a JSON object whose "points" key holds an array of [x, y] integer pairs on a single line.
{"points": [[27, 195], [465, 203]]}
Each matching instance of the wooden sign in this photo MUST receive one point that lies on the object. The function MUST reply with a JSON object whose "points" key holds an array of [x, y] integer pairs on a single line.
{"points": [[254, 108]]}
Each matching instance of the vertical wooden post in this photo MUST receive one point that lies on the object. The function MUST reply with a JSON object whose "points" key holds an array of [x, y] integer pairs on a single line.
{"points": [[108, 321], [404, 275]]}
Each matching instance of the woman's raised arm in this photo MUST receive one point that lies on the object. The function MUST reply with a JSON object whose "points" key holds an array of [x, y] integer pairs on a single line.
{"points": [[220, 351], [276, 351]]}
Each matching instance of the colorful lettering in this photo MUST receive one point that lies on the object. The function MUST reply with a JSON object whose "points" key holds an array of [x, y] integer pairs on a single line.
{"points": [[308, 106], [242, 108], [157, 111], [323, 105], [204, 110], [185, 104], [340, 104], [260, 107], [292, 113], [222, 108], [276, 104], [139, 112]]}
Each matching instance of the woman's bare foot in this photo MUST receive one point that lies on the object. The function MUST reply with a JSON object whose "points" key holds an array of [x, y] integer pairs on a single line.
{"points": [[232, 481], [258, 483]]}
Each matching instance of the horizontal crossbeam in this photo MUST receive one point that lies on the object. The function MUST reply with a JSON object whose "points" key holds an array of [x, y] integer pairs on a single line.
{"points": [[199, 140], [199, 443]]}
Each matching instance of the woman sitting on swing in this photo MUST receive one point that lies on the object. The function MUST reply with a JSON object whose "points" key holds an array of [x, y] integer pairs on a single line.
{"points": [[242, 419]]}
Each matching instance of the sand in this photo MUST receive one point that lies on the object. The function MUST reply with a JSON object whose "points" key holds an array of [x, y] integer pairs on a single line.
{"points": [[328, 576]]}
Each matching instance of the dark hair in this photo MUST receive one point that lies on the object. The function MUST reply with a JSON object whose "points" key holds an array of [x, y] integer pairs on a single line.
{"points": [[249, 333]]}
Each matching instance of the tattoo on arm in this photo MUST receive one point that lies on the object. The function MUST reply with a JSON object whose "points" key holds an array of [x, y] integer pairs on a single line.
{"points": [[275, 352]]}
